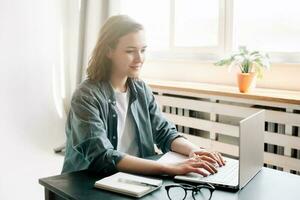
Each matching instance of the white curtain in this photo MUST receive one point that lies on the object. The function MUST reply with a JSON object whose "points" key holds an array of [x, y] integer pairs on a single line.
{"points": [[81, 22]]}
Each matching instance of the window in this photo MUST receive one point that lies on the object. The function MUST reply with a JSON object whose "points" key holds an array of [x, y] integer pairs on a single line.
{"points": [[156, 23], [196, 23], [270, 26], [176, 25], [200, 29]]}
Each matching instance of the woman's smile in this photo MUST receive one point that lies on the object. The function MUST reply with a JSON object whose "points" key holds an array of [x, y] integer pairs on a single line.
{"points": [[135, 67]]}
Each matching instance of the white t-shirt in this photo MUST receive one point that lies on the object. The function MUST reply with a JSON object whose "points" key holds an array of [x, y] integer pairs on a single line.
{"points": [[127, 141]]}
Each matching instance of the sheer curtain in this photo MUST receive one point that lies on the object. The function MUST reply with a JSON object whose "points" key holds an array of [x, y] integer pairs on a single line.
{"points": [[82, 20]]}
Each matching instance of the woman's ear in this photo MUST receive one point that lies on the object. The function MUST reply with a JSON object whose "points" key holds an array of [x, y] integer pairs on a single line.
{"points": [[109, 53]]}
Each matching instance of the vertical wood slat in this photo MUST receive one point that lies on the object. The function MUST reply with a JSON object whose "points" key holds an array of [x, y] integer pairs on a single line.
{"points": [[180, 113], [270, 147], [288, 150], [213, 118], [186, 113]]}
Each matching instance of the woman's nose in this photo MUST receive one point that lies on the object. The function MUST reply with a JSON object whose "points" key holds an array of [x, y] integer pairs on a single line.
{"points": [[138, 57]]}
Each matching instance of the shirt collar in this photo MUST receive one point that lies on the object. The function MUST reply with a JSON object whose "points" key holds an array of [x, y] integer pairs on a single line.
{"points": [[110, 94]]}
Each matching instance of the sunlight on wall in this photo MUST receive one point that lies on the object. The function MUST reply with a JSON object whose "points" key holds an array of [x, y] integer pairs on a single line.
{"points": [[57, 93]]}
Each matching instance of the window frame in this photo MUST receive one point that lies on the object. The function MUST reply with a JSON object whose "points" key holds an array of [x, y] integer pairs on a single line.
{"points": [[206, 54]]}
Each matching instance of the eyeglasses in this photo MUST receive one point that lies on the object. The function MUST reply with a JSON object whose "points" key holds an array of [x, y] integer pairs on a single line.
{"points": [[180, 191]]}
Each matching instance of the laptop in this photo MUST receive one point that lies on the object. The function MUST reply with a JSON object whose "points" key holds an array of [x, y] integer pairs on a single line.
{"points": [[236, 173]]}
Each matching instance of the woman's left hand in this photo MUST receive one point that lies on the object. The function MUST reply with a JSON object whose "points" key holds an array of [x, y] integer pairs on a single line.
{"points": [[212, 157]]}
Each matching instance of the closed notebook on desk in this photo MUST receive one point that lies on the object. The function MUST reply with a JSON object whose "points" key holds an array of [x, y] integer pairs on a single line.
{"points": [[129, 184]]}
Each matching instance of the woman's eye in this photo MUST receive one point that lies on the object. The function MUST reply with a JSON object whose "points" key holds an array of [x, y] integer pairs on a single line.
{"points": [[129, 51], [143, 50]]}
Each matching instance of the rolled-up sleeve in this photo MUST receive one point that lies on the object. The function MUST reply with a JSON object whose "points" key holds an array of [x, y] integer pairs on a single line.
{"points": [[88, 135], [164, 131]]}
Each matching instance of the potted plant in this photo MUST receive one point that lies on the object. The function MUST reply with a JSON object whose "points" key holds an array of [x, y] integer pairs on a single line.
{"points": [[251, 65]]}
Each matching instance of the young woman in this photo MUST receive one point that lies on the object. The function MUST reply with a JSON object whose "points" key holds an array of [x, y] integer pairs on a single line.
{"points": [[114, 120]]}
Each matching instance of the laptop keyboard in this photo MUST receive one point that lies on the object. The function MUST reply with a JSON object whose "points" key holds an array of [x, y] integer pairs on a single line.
{"points": [[227, 174]]}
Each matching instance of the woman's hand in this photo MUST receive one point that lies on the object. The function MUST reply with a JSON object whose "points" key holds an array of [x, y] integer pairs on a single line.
{"points": [[191, 165], [133, 164], [211, 157], [183, 146]]}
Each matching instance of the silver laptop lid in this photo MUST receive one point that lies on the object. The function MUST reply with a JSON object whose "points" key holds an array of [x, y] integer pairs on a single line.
{"points": [[251, 151]]}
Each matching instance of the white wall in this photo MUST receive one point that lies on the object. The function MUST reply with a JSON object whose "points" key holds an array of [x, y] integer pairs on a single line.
{"points": [[29, 122], [280, 76]]}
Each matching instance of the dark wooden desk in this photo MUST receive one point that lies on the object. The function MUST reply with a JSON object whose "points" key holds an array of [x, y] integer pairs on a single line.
{"points": [[267, 185]]}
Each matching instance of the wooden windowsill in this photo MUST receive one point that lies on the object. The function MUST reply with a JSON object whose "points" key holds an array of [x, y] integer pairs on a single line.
{"points": [[282, 96]]}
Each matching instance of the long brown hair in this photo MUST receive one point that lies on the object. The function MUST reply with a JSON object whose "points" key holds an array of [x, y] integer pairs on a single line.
{"points": [[115, 27]]}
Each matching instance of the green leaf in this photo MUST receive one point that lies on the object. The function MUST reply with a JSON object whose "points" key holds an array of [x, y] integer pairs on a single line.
{"points": [[247, 61]]}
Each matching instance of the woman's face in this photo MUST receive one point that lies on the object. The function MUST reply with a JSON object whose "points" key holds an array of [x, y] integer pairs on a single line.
{"points": [[129, 55]]}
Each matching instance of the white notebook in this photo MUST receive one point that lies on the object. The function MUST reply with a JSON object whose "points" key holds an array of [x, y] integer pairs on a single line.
{"points": [[129, 184]]}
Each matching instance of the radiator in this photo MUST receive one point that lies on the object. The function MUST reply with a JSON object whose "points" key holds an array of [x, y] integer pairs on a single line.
{"points": [[212, 122]]}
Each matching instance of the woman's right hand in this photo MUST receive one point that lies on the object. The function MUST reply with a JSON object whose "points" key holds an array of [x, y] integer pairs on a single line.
{"points": [[191, 165]]}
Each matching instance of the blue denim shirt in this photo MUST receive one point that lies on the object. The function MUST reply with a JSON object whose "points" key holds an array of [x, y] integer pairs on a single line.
{"points": [[91, 126]]}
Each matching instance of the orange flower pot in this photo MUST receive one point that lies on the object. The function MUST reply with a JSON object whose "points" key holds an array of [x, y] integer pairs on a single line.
{"points": [[246, 81]]}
